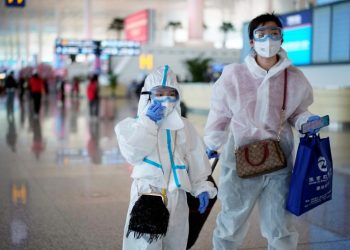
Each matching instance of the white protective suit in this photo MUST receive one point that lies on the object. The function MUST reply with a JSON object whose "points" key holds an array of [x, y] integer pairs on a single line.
{"points": [[150, 148], [245, 107]]}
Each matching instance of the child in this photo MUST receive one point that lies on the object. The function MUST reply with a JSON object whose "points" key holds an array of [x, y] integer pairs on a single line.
{"points": [[168, 157]]}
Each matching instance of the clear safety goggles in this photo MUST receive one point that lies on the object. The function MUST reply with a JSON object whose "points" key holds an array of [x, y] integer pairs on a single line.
{"points": [[162, 94], [263, 32]]}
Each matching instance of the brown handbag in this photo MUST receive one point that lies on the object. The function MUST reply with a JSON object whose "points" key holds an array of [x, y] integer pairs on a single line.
{"points": [[263, 156]]}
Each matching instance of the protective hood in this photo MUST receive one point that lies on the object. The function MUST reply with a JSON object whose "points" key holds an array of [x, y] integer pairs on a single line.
{"points": [[162, 76]]}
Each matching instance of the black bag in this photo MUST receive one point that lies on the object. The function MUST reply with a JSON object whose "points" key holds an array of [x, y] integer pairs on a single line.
{"points": [[149, 218], [196, 220]]}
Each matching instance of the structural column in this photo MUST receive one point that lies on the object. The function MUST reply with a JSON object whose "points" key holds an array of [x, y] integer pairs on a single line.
{"points": [[195, 18], [87, 19], [39, 57], [18, 42], [27, 41]]}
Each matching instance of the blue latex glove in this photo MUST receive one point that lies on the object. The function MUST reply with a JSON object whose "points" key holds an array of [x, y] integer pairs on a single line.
{"points": [[212, 153], [155, 111], [203, 202], [311, 119]]}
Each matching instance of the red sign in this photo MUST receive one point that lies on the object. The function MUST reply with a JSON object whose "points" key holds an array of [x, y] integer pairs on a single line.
{"points": [[136, 26]]}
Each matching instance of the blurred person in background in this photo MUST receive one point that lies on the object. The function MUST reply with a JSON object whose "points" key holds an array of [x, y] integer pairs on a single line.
{"points": [[60, 88], [76, 87], [46, 87], [11, 136], [38, 144], [10, 87], [36, 86], [93, 96], [93, 144], [22, 88]]}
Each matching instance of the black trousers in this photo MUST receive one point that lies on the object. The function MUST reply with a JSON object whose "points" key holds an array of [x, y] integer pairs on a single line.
{"points": [[94, 107], [37, 102]]}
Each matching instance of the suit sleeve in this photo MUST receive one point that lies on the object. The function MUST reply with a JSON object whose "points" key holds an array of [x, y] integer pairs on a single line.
{"points": [[137, 138], [216, 132], [301, 113], [199, 167]]}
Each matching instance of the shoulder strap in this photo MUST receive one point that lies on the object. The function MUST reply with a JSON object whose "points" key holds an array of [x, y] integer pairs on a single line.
{"points": [[285, 89], [284, 104]]}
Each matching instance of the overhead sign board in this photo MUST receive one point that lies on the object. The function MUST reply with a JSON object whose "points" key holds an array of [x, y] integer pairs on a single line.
{"points": [[15, 3], [104, 47], [139, 26], [75, 47], [120, 48]]}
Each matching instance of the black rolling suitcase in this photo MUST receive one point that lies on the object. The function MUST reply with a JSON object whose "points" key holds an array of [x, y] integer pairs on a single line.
{"points": [[195, 219]]}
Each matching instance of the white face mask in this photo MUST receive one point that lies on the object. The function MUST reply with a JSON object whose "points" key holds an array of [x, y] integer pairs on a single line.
{"points": [[267, 48], [169, 107]]}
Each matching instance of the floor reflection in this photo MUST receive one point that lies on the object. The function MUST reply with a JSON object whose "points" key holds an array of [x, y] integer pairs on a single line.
{"points": [[93, 145], [63, 153], [19, 202], [60, 122], [11, 136], [331, 215], [74, 114], [38, 143]]}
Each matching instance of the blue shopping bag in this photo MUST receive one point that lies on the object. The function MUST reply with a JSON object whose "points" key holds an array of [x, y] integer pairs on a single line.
{"points": [[311, 183]]}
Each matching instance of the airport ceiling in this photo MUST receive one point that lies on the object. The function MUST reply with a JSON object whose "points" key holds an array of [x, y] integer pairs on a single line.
{"points": [[46, 14], [103, 7]]}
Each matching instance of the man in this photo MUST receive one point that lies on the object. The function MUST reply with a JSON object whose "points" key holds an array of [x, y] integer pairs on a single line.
{"points": [[245, 108], [10, 86], [36, 86]]}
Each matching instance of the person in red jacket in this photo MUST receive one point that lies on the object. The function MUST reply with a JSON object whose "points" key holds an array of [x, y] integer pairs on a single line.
{"points": [[93, 96], [36, 86]]}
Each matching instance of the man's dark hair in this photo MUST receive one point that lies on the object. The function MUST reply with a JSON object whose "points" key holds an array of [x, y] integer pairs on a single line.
{"points": [[94, 77], [261, 20]]}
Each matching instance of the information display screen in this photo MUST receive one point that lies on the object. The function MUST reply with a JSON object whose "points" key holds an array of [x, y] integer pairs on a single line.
{"points": [[297, 36], [340, 45], [246, 47], [322, 2], [321, 35], [75, 47], [104, 47], [120, 48]]}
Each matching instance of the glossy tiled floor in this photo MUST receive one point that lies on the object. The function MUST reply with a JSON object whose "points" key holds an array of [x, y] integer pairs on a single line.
{"points": [[64, 184]]}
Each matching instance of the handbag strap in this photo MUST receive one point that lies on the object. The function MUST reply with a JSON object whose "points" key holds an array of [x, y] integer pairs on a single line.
{"points": [[283, 105]]}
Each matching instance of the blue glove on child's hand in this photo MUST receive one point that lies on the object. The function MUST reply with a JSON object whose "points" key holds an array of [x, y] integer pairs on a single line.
{"points": [[311, 119], [212, 153], [203, 202], [155, 111]]}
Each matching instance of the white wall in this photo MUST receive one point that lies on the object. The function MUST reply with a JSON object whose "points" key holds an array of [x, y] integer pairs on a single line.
{"points": [[328, 76], [332, 102]]}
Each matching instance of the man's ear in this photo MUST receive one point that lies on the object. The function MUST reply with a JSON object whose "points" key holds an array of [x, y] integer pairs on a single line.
{"points": [[251, 43]]}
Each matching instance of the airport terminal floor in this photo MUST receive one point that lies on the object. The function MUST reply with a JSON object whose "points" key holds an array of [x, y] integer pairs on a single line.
{"points": [[64, 184]]}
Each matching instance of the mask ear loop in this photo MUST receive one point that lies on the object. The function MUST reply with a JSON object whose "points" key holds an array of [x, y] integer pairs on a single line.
{"points": [[147, 93]]}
